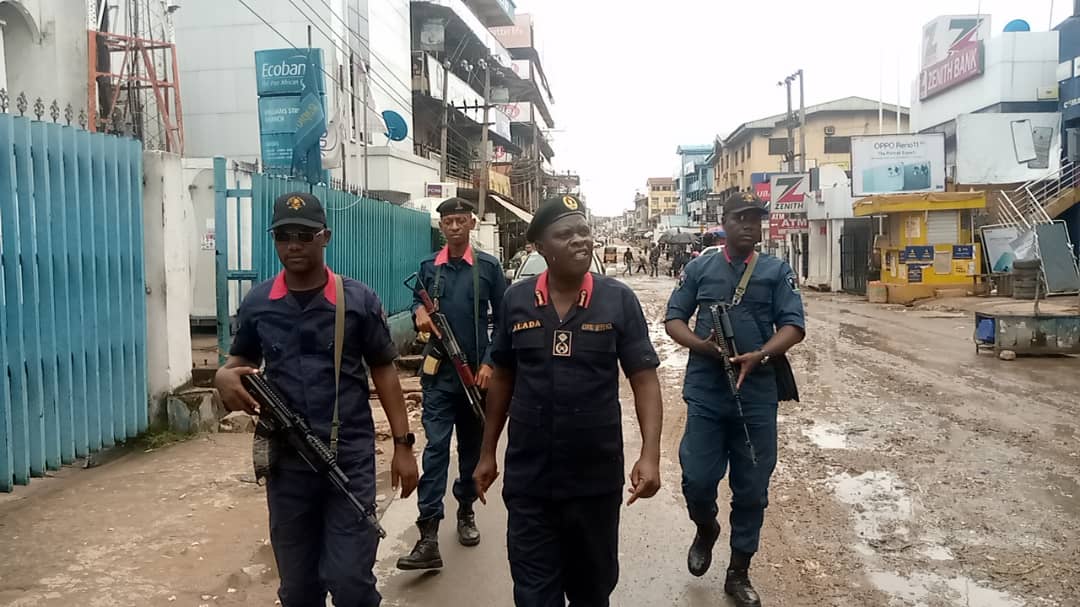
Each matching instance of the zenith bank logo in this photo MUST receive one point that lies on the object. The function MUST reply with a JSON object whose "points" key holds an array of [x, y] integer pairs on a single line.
{"points": [[789, 189]]}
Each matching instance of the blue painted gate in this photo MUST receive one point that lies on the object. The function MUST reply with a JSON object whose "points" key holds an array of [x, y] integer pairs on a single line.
{"points": [[373, 241], [73, 308]]}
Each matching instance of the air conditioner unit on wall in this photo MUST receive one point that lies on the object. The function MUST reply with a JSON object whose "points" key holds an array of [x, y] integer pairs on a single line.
{"points": [[830, 131]]}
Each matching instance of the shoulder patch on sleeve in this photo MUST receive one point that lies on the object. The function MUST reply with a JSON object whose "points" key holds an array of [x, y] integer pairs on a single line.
{"points": [[793, 283]]}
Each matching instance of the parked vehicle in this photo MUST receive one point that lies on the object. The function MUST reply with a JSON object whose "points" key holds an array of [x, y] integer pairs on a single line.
{"points": [[535, 264]]}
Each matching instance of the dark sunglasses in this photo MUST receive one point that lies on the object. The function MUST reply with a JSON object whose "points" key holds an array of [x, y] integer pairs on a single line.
{"points": [[304, 236]]}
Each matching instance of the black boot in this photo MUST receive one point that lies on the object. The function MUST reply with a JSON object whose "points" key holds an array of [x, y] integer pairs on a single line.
{"points": [[700, 557], [425, 554], [738, 587], [467, 533]]}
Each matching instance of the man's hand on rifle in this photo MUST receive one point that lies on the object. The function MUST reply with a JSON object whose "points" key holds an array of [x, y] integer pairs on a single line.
{"points": [[233, 394], [708, 347], [746, 364], [424, 324], [483, 376]]}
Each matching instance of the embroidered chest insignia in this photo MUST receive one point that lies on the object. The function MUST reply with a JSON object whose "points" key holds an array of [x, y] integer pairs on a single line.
{"points": [[562, 344]]}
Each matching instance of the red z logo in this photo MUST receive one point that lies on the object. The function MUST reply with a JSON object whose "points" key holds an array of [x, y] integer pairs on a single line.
{"points": [[789, 189]]}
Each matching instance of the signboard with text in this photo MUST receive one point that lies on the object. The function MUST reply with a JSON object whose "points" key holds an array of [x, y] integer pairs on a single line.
{"points": [[292, 111], [886, 164], [961, 66], [783, 225], [282, 71], [787, 193]]}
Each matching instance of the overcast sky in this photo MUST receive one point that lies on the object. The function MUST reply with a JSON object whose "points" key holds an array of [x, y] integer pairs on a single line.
{"points": [[633, 80]]}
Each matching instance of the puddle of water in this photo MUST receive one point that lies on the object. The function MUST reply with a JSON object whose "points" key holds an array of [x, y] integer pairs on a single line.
{"points": [[919, 588], [826, 436], [880, 501]]}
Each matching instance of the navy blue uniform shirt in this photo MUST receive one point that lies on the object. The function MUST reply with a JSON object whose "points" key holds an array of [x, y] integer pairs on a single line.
{"points": [[565, 428], [297, 345], [772, 300], [454, 295]]}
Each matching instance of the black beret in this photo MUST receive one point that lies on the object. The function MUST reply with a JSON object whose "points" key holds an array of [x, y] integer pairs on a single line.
{"points": [[455, 206], [552, 210]]}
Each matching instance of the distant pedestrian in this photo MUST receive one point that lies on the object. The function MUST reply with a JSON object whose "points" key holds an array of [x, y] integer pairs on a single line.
{"points": [[654, 260], [642, 263], [288, 324], [562, 337], [628, 258]]}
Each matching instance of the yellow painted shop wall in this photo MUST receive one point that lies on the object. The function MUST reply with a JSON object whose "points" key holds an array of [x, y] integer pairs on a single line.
{"points": [[910, 229]]}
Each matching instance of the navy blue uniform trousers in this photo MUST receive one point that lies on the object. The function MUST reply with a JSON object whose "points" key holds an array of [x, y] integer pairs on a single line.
{"points": [[714, 443], [563, 550], [445, 410], [321, 544]]}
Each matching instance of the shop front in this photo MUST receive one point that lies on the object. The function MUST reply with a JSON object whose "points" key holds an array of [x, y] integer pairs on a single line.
{"points": [[925, 242]]}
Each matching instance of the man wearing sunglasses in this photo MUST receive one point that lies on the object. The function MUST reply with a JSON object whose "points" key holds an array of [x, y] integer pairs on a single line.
{"points": [[288, 323], [464, 284]]}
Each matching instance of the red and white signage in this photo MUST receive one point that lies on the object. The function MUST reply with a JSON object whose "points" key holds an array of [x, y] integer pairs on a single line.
{"points": [[782, 225], [787, 193], [961, 65], [763, 191]]}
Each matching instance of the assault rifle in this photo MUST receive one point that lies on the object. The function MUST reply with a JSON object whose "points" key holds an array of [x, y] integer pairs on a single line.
{"points": [[278, 418], [450, 347], [724, 337]]}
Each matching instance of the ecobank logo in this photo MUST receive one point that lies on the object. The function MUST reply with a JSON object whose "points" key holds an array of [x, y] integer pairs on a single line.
{"points": [[284, 71]]}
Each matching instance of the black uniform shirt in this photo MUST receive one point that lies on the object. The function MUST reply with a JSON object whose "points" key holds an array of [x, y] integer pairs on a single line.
{"points": [[565, 428]]}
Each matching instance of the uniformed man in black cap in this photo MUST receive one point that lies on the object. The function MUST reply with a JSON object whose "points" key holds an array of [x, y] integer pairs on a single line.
{"points": [[767, 318], [465, 284], [287, 325], [557, 349]]}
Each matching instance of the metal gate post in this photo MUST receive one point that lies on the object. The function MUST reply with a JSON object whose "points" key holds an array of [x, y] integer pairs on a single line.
{"points": [[222, 274]]}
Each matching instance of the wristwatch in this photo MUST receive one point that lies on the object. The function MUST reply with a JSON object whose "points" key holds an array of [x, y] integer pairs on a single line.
{"points": [[765, 356], [408, 440]]}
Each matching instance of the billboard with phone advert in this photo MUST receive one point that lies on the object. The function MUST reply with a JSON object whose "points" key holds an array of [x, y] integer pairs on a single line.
{"points": [[1007, 148]]}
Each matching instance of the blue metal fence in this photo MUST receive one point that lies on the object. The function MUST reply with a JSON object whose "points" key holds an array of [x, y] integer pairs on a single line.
{"points": [[72, 295], [373, 241]]}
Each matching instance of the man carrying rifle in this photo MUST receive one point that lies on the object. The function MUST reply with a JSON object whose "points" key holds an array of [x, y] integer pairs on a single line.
{"points": [[464, 284], [321, 543], [762, 300]]}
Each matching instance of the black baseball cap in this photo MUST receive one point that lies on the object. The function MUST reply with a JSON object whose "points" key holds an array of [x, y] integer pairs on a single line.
{"points": [[298, 209], [552, 210], [744, 201]]}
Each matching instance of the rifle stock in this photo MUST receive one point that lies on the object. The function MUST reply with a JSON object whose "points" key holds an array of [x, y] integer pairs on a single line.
{"points": [[276, 415]]}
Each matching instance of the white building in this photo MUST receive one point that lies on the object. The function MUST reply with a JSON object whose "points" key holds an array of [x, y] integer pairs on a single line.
{"points": [[216, 44], [43, 51], [827, 208]]}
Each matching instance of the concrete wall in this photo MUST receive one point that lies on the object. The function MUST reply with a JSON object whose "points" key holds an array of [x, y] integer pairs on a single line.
{"points": [[198, 183], [391, 168], [43, 49], [1017, 64], [167, 220]]}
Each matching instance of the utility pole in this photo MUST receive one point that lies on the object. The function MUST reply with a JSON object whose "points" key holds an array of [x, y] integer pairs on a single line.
{"points": [[485, 159], [443, 168], [802, 125], [789, 120], [367, 139]]}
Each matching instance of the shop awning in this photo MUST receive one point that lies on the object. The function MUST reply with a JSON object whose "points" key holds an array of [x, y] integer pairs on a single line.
{"points": [[883, 204], [513, 208]]}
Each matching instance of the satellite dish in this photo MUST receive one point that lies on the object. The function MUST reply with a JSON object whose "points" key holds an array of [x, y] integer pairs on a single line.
{"points": [[1017, 25], [396, 127]]}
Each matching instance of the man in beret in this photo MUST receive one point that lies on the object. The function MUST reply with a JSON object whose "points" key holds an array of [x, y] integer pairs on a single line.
{"points": [[557, 349], [767, 317], [465, 284]]}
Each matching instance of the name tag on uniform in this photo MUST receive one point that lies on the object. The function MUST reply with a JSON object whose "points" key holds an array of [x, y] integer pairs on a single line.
{"points": [[562, 345], [525, 324], [598, 327]]}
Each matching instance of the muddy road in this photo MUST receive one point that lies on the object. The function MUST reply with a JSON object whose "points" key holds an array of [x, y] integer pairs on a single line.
{"points": [[913, 472]]}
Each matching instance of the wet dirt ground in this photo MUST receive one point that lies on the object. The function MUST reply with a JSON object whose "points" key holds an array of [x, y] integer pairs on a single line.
{"points": [[913, 472]]}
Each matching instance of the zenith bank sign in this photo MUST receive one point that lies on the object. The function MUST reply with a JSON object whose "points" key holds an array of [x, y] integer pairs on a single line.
{"points": [[964, 60]]}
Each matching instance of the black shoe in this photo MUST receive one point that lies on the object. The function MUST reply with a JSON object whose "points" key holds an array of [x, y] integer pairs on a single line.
{"points": [[700, 556], [737, 586], [425, 554], [467, 533]]}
